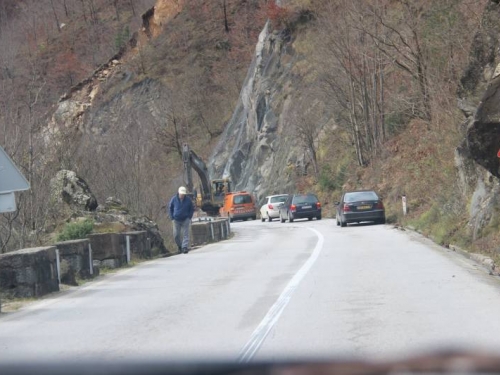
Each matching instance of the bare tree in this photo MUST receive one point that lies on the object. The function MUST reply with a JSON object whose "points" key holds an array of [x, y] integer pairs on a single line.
{"points": [[400, 42], [55, 15]]}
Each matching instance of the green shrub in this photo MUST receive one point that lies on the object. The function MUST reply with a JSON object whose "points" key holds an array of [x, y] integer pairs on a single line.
{"points": [[76, 231], [331, 181], [396, 122], [326, 179]]}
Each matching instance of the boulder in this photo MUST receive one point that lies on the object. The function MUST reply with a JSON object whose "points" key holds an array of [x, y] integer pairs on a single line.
{"points": [[114, 205], [71, 193], [72, 198], [114, 214]]}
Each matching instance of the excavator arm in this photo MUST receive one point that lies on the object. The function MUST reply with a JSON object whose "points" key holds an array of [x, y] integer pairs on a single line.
{"points": [[191, 160], [212, 192]]}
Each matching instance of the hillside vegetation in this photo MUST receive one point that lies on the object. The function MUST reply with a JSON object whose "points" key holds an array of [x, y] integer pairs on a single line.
{"points": [[374, 99]]}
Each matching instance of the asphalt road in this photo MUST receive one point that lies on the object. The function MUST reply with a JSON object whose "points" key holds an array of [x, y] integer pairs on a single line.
{"points": [[274, 291]]}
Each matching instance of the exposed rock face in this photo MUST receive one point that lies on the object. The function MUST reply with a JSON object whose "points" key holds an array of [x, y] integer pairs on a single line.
{"points": [[68, 191], [479, 93], [74, 108], [256, 149], [479, 98], [483, 135]]}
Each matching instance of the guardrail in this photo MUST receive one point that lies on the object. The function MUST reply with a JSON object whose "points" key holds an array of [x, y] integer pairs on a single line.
{"points": [[206, 230], [38, 271]]}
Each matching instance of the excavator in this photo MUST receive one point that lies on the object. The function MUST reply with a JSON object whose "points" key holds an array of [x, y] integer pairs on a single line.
{"points": [[211, 193]]}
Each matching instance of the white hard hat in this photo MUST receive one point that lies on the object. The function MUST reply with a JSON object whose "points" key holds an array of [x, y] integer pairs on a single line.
{"points": [[182, 190]]}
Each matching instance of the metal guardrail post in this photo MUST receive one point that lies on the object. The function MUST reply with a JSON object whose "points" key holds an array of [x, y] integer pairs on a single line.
{"points": [[128, 249], [91, 261], [58, 266]]}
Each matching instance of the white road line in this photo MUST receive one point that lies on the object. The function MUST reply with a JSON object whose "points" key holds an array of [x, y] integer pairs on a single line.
{"points": [[274, 313]]}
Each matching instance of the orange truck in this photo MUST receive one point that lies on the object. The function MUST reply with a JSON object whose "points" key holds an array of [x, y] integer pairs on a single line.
{"points": [[239, 206]]}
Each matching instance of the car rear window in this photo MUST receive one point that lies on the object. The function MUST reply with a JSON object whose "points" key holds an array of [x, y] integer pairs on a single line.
{"points": [[242, 199], [360, 196], [298, 199], [279, 199]]}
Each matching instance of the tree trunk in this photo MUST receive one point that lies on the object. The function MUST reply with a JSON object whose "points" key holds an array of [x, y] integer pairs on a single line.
{"points": [[55, 16], [83, 11], [382, 106], [226, 25], [117, 12], [366, 107], [66, 8]]}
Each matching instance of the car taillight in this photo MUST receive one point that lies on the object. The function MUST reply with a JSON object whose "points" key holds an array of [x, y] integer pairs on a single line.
{"points": [[346, 208], [293, 207], [380, 205], [318, 205], [270, 206]]}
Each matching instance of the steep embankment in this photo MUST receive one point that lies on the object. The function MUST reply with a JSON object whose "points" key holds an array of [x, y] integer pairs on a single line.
{"points": [[174, 82], [476, 158]]}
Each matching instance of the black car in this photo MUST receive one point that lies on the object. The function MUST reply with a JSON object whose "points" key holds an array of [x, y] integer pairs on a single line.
{"points": [[358, 206], [300, 206]]}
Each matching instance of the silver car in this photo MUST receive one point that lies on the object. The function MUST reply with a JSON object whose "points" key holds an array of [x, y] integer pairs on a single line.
{"points": [[271, 208]]}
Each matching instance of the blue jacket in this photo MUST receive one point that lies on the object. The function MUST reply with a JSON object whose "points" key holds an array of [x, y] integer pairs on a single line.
{"points": [[180, 210]]}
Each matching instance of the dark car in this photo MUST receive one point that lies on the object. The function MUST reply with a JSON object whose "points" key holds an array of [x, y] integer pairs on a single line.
{"points": [[358, 206], [300, 206]]}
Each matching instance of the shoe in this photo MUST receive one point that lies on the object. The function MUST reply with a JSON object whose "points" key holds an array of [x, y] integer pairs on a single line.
{"points": [[180, 250], [185, 250]]}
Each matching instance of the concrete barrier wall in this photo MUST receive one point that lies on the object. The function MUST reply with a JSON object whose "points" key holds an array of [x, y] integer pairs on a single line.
{"points": [[140, 244], [203, 232], [75, 261], [29, 272], [34, 272], [108, 250]]}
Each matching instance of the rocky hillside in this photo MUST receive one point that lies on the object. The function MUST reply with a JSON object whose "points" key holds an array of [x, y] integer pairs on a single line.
{"points": [[308, 95], [173, 79]]}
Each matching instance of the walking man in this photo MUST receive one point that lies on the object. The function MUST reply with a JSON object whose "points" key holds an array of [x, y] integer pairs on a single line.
{"points": [[181, 211]]}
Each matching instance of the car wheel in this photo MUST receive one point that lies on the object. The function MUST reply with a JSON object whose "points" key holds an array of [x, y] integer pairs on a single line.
{"points": [[318, 217], [231, 219], [269, 218], [290, 217], [309, 218], [281, 218], [381, 221]]}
